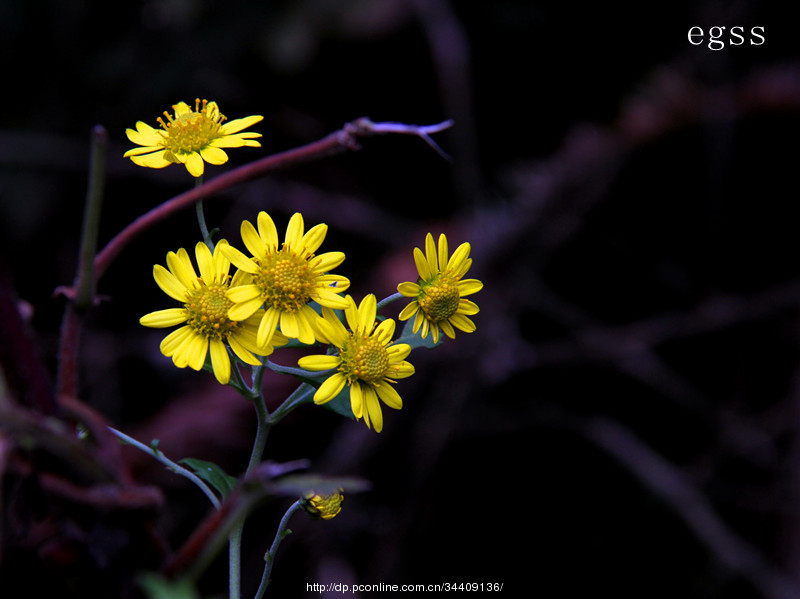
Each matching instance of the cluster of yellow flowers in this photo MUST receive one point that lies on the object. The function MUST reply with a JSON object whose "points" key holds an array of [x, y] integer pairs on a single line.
{"points": [[270, 298]]}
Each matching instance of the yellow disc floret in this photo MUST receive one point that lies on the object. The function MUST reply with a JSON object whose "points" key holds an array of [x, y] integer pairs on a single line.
{"points": [[439, 298], [285, 280], [190, 131], [208, 311], [364, 358]]}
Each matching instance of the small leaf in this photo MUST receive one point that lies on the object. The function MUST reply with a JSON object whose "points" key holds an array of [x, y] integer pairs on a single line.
{"points": [[212, 474], [157, 587]]}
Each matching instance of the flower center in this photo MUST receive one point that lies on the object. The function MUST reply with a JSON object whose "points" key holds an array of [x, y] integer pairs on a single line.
{"points": [[285, 280], [208, 311], [364, 358], [193, 130], [439, 298]]}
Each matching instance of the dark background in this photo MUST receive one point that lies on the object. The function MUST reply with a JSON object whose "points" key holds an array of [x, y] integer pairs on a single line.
{"points": [[625, 418]]}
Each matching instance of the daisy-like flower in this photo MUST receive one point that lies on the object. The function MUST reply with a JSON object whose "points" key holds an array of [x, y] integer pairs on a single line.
{"points": [[207, 327], [440, 290], [368, 362], [191, 137], [285, 278]]}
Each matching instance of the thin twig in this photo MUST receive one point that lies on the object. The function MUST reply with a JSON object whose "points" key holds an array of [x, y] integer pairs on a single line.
{"points": [[158, 455]]}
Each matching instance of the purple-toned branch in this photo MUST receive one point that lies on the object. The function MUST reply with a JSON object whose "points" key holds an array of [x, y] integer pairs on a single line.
{"points": [[346, 138]]}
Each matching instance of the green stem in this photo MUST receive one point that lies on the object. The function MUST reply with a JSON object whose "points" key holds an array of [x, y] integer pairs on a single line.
{"points": [[158, 455], [388, 300], [299, 396], [201, 217], [269, 557], [235, 539]]}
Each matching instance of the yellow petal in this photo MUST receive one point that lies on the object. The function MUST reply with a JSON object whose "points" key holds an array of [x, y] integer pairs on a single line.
{"points": [[408, 289], [398, 351], [174, 340], [467, 308], [243, 353], [330, 388], [238, 259], [196, 351], [366, 314], [327, 261], [144, 135], [442, 255], [294, 230], [251, 239], [389, 396], [267, 231], [409, 311], [245, 309], [356, 400], [213, 155], [318, 363], [430, 254], [373, 408], [423, 268], [243, 293], [266, 329], [458, 259], [181, 266], [314, 238], [469, 286], [220, 361], [169, 283], [164, 318], [155, 160], [205, 262], [237, 125], [384, 331], [195, 164], [462, 322]]}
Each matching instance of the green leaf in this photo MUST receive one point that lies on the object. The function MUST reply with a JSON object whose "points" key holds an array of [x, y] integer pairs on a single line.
{"points": [[212, 474], [341, 404], [416, 340], [157, 587]]}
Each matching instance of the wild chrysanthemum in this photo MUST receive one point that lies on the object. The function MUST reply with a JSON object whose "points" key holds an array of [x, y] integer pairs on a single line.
{"points": [[285, 278], [440, 290], [367, 361], [190, 138], [205, 313]]}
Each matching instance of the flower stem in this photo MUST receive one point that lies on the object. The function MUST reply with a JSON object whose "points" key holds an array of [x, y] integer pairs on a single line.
{"points": [[201, 217], [388, 300], [158, 455], [269, 557], [299, 396], [235, 538]]}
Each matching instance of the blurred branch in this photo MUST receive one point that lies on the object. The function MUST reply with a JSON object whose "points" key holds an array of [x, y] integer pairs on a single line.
{"points": [[667, 483]]}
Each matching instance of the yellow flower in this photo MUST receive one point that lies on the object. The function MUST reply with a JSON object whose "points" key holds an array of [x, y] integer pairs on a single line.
{"points": [[285, 278], [368, 361], [190, 138], [205, 313], [323, 506], [440, 290]]}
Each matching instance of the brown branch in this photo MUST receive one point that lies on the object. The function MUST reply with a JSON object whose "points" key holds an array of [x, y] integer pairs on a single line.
{"points": [[346, 138]]}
